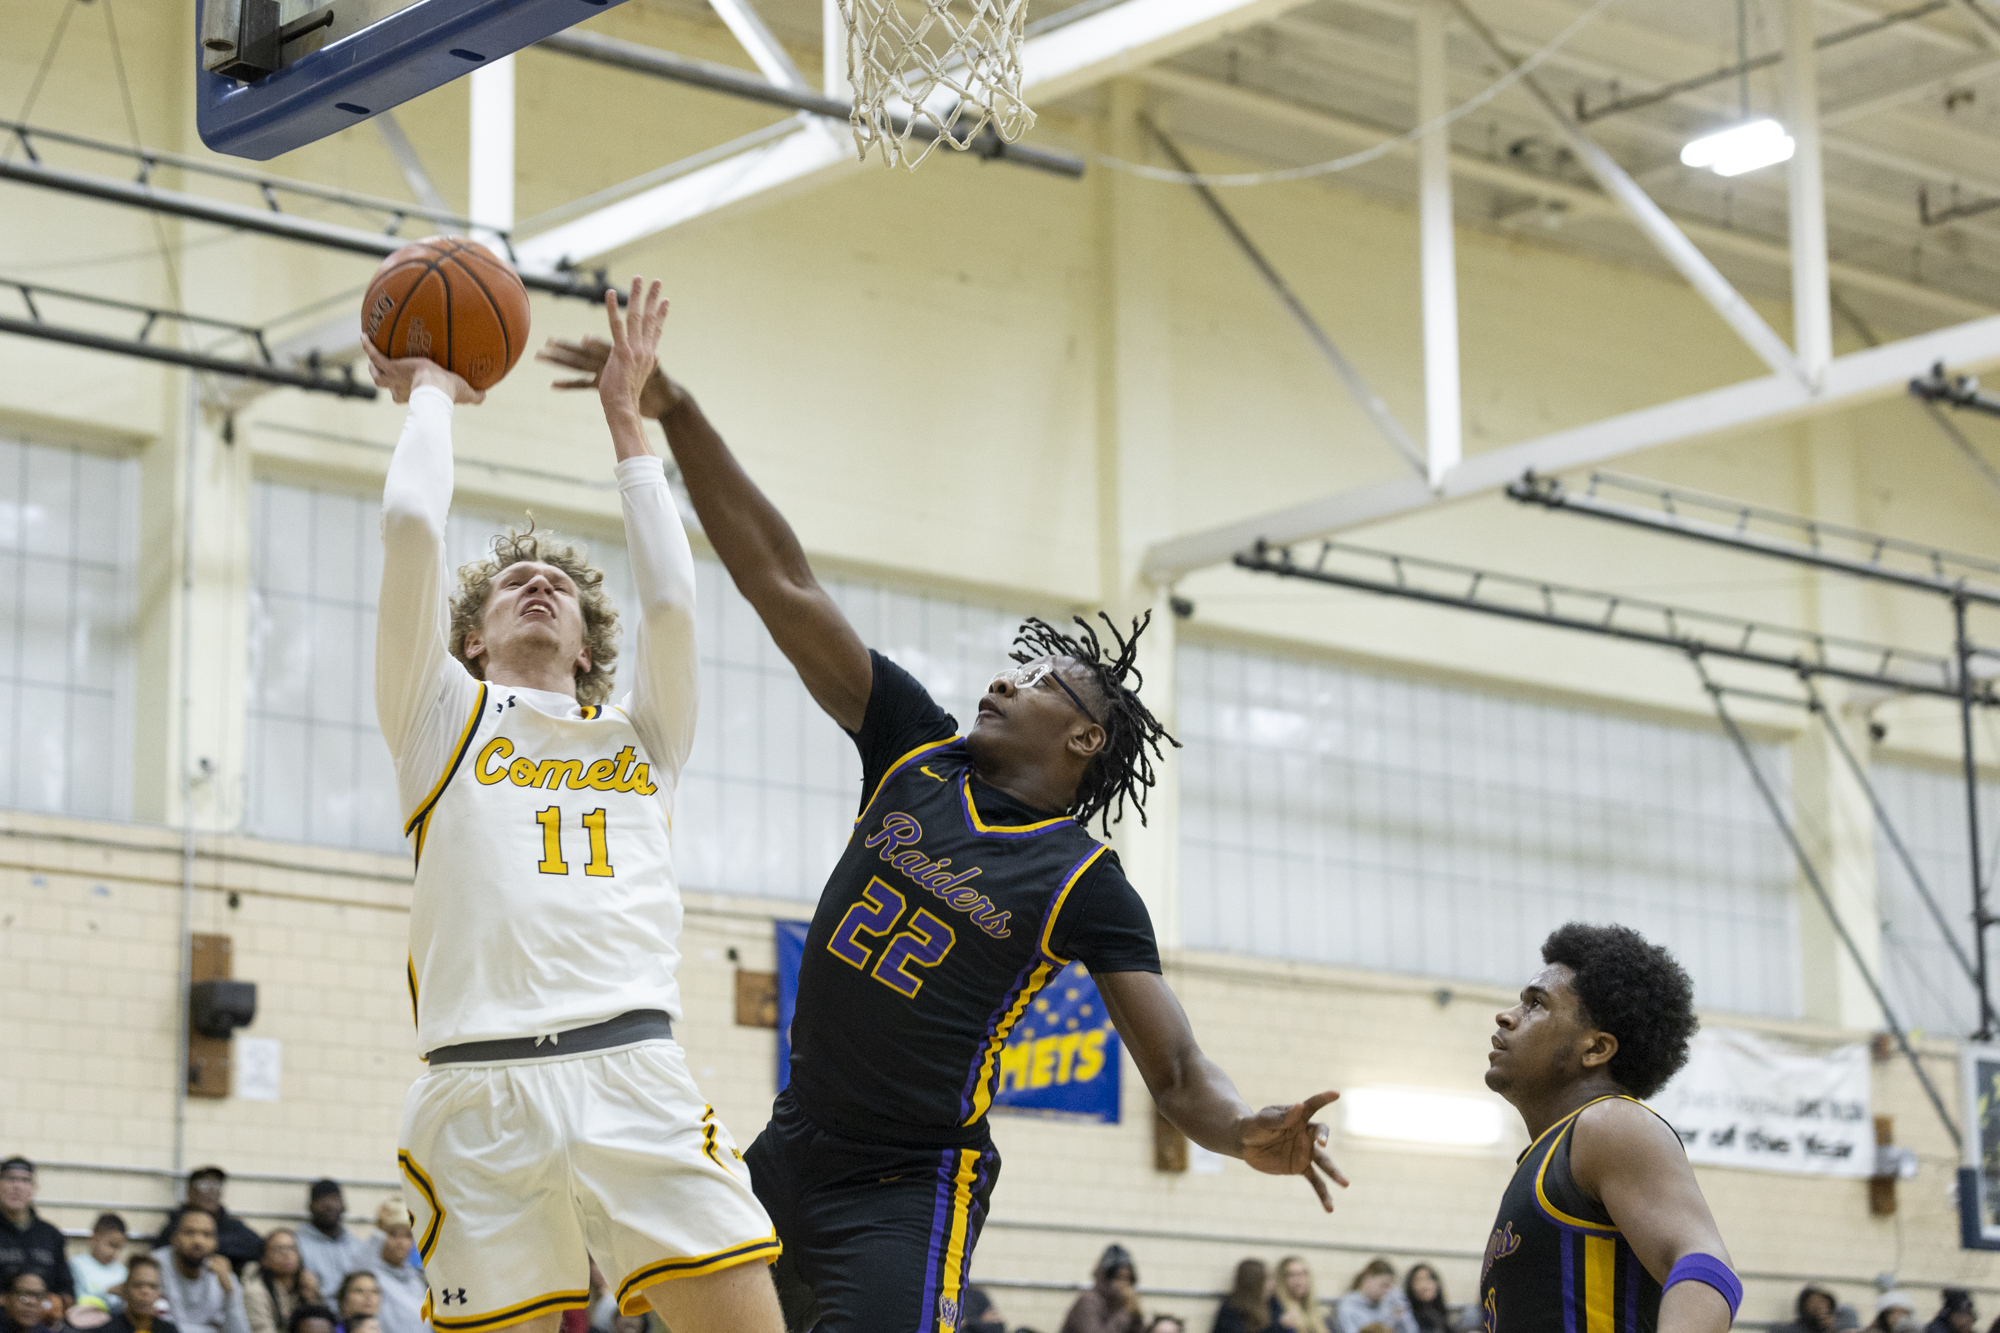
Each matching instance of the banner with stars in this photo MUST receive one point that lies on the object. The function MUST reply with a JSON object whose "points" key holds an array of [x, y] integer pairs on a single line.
{"points": [[1061, 1060]]}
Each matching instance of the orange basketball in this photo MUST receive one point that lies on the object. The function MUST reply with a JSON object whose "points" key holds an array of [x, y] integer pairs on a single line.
{"points": [[453, 301]]}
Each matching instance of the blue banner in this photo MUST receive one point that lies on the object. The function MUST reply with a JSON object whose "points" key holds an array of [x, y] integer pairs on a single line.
{"points": [[1060, 1061]]}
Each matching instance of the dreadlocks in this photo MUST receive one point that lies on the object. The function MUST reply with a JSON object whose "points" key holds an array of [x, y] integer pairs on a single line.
{"points": [[1123, 769]]}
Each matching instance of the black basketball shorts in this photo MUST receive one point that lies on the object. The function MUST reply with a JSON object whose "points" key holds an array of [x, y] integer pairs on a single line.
{"points": [[880, 1236]]}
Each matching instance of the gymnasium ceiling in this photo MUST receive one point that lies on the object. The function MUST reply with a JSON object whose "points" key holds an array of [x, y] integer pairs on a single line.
{"points": [[1913, 105]]}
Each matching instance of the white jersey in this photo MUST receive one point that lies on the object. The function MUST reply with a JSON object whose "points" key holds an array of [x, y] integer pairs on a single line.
{"points": [[545, 896]]}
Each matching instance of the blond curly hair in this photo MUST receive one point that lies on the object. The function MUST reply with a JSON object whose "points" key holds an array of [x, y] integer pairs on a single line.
{"points": [[600, 617]]}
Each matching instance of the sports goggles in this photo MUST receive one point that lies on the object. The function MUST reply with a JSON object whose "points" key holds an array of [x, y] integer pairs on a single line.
{"points": [[1031, 674]]}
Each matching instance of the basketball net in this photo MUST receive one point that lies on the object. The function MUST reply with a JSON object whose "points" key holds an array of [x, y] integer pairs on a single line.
{"points": [[952, 67]]}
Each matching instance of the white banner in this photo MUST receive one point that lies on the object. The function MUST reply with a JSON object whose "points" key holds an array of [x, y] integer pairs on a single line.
{"points": [[1749, 1101]]}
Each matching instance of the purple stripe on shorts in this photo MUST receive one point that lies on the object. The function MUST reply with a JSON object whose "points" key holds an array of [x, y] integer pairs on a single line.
{"points": [[1569, 1244], [940, 1236], [1631, 1264]]}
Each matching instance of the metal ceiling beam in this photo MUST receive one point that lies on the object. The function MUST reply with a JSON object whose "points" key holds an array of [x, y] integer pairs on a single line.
{"points": [[735, 83], [1116, 40], [1852, 379], [1651, 219], [1579, 201], [285, 226], [342, 386], [766, 52], [1812, 295]]}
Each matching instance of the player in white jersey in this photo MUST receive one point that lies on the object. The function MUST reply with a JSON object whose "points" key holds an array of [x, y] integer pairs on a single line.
{"points": [[557, 1122]]}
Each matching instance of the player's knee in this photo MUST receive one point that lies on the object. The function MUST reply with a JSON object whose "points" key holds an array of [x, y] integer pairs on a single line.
{"points": [[738, 1299]]}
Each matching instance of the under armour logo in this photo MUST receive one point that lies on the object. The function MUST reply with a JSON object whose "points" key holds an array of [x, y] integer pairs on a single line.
{"points": [[452, 1296]]}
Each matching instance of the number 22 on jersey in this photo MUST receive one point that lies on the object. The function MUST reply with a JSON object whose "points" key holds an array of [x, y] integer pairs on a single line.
{"points": [[552, 862], [922, 943]]}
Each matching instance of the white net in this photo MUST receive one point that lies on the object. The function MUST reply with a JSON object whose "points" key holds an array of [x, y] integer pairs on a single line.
{"points": [[934, 71]]}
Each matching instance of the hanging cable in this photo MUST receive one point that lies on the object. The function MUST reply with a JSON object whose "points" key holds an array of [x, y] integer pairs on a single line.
{"points": [[42, 71], [132, 126], [1366, 155]]}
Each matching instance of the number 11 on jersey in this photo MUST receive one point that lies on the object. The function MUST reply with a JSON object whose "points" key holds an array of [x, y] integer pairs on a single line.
{"points": [[552, 863]]}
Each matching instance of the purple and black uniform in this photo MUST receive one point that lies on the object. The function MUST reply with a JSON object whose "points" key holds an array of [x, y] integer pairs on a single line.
{"points": [[952, 906]]}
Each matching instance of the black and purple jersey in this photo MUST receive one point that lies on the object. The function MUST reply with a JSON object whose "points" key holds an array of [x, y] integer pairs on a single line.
{"points": [[1556, 1262], [952, 906]]}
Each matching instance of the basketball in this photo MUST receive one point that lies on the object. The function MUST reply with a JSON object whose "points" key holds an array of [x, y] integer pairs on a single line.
{"points": [[453, 301]]}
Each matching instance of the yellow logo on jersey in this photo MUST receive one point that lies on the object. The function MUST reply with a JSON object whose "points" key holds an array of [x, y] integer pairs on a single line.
{"points": [[621, 772]]}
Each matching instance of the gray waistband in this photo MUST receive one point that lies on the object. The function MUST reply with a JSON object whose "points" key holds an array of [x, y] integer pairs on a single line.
{"points": [[639, 1025]]}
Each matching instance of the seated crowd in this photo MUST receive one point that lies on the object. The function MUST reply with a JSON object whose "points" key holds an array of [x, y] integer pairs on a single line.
{"points": [[210, 1272]]}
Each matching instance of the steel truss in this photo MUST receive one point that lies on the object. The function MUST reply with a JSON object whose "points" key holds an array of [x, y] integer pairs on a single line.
{"points": [[1946, 574], [269, 221], [1960, 391], [264, 368], [1700, 635]]}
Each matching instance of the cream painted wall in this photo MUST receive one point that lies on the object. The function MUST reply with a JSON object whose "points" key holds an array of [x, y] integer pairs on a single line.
{"points": [[973, 378]]}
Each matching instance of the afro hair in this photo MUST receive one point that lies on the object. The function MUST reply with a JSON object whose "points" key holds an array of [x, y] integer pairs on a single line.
{"points": [[1633, 990]]}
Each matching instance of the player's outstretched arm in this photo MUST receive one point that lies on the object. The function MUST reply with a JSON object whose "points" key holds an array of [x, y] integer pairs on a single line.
{"points": [[1192, 1091], [1626, 1156], [755, 543], [413, 615], [665, 663]]}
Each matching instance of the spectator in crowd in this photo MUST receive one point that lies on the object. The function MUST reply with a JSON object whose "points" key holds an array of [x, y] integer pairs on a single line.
{"points": [[1249, 1307], [326, 1246], [99, 1270], [1112, 1303], [1372, 1298], [1816, 1310], [1431, 1312], [1167, 1323], [403, 1286], [1955, 1314], [1299, 1309], [202, 1293], [142, 1300], [368, 1323], [393, 1210], [1895, 1312], [28, 1307], [278, 1283], [360, 1297], [233, 1240], [27, 1242], [313, 1319], [978, 1314]]}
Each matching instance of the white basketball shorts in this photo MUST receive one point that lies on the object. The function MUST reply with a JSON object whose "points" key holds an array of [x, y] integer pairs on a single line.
{"points": [[521, 1173]]}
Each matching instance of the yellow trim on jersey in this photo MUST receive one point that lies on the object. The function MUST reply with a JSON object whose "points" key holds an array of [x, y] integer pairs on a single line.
{"points": [[965, 785], [1561, 1127], [955, 1248], [631, 1292], [896, 767], [419, 822], [1062, 896], [982, 1092], [515, 1314], [708, 1128], [1600, 1281], [412, 963], [418, 1178]]}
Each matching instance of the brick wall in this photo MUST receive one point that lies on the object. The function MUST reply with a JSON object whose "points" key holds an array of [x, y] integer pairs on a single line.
{"points": [[90, 915]]}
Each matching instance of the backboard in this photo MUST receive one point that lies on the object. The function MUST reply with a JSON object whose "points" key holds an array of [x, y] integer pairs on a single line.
{"points": [[303, 71]]}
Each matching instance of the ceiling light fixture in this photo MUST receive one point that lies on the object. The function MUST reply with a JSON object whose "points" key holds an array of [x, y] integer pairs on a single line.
{"points": [[1408, 1116], [1740, 148]]}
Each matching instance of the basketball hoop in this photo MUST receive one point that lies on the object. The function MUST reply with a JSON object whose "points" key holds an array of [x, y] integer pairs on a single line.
{"points": [[934, 71]]}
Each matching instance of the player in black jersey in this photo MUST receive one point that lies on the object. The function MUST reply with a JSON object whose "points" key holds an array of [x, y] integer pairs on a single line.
{"points": [[1603, 1228], [969, 881]]}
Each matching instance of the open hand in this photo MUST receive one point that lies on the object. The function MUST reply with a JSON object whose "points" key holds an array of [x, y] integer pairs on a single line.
{"points": [[401, 376], [657, 397], [1285, 1141]]}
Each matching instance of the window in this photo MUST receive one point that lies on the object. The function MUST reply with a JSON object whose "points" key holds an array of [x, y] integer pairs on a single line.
{"points": [[1344, 816], [69, 525], [1921, 975], [319, 770], [771, 785]]}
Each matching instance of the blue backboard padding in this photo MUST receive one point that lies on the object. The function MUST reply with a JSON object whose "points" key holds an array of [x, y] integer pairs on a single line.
{"points": [[368, 72]]}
